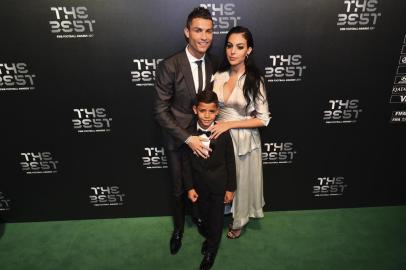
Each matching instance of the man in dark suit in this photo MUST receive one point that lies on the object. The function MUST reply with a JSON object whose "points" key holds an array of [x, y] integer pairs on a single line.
{"points": [[210, 182], [178, 79]]}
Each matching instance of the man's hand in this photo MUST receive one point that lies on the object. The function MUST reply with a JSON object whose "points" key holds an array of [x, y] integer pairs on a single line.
{"points": [[195, 143], [228, 197], [192, 195]]}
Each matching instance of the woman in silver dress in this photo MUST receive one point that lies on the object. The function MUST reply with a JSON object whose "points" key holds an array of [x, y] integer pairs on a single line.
{"points": [[243, 109]]}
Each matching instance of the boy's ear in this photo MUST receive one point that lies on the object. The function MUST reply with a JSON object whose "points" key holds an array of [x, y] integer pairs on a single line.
{"points": [[194, 109]]}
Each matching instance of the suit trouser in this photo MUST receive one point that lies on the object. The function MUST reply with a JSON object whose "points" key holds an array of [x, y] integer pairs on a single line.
{"points": [[211, 209], [179, 198]]}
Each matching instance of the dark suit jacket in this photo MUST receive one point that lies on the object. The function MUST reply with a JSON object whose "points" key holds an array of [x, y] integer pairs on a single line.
{"points": [[175, 96], [217, 173]]}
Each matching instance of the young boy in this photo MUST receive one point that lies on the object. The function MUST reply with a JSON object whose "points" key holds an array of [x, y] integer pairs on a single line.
{"points": [[210, 182]]}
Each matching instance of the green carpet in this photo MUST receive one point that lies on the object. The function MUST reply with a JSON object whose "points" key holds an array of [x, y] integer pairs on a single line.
{"points": [[359, 238]]}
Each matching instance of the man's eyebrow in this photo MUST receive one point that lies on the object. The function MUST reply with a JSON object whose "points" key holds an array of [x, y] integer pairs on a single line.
{"points": [[199, 28]]}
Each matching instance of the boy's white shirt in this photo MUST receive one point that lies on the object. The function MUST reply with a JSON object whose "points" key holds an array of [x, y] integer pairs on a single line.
{"points": [[205, 143]]}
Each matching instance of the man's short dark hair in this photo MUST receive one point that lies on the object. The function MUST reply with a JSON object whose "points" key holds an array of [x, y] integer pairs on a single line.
{"points": [[207, 97], [198, 12]]}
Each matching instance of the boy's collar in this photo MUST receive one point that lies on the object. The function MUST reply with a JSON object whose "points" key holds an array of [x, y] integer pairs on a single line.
{"points": [[199, 127]]}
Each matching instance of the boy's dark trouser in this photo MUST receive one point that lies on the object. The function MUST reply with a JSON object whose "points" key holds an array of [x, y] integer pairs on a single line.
{"points": [[211, 209]]}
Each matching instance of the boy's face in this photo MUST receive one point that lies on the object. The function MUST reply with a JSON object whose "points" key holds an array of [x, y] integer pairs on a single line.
{"points": [[206, 113]]}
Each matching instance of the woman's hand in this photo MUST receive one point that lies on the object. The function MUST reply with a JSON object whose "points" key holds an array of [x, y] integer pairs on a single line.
{"points": [[219, 128]]}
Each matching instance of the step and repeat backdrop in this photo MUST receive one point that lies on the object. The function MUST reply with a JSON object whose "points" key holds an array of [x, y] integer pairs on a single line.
{"points": [[78, 139]]}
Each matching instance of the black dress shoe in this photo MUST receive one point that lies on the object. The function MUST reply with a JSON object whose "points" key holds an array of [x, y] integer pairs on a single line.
{"points": [[176, 241], [204, 248], [201, 228], [208, 261]]}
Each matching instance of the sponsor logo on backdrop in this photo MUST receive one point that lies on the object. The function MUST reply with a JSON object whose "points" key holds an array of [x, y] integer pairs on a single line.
{"points": [[398, 94], [398, 117], [402, 60], [154, 158], [400, 79], [224, 16], [106, 196], [359, 15], [401, 69], [71, 22], [285, 68], [144, 72], [4, 202], [342, 111], [329, 186], [398, 98], [278, 153], [398, 90], [38, 163], [90, 120], [16, 77]]}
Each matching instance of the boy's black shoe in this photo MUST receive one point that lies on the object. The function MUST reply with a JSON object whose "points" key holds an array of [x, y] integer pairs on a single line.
{"points": [[176, 241], [208, 261]]}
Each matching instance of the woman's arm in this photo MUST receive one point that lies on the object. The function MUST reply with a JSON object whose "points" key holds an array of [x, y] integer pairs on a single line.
{"points": [[222, 126]]}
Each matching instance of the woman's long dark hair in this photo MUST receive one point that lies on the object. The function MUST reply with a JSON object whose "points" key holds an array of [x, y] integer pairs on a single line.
{"points": [[253, 78]]}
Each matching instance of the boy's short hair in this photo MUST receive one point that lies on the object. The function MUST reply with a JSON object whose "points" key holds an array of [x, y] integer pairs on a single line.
{"points": [[207, 96], [198, 12]]}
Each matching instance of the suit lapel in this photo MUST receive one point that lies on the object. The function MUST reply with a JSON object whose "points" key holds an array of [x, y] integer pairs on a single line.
{"points": [[209, 72], [187, 73], [212, 143]]}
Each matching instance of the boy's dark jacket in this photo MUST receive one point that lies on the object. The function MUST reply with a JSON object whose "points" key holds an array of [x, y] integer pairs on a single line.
{"points": [[217, 172]]}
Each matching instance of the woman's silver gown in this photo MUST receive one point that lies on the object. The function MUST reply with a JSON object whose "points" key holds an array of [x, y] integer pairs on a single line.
{"points": [[248, 199]]}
